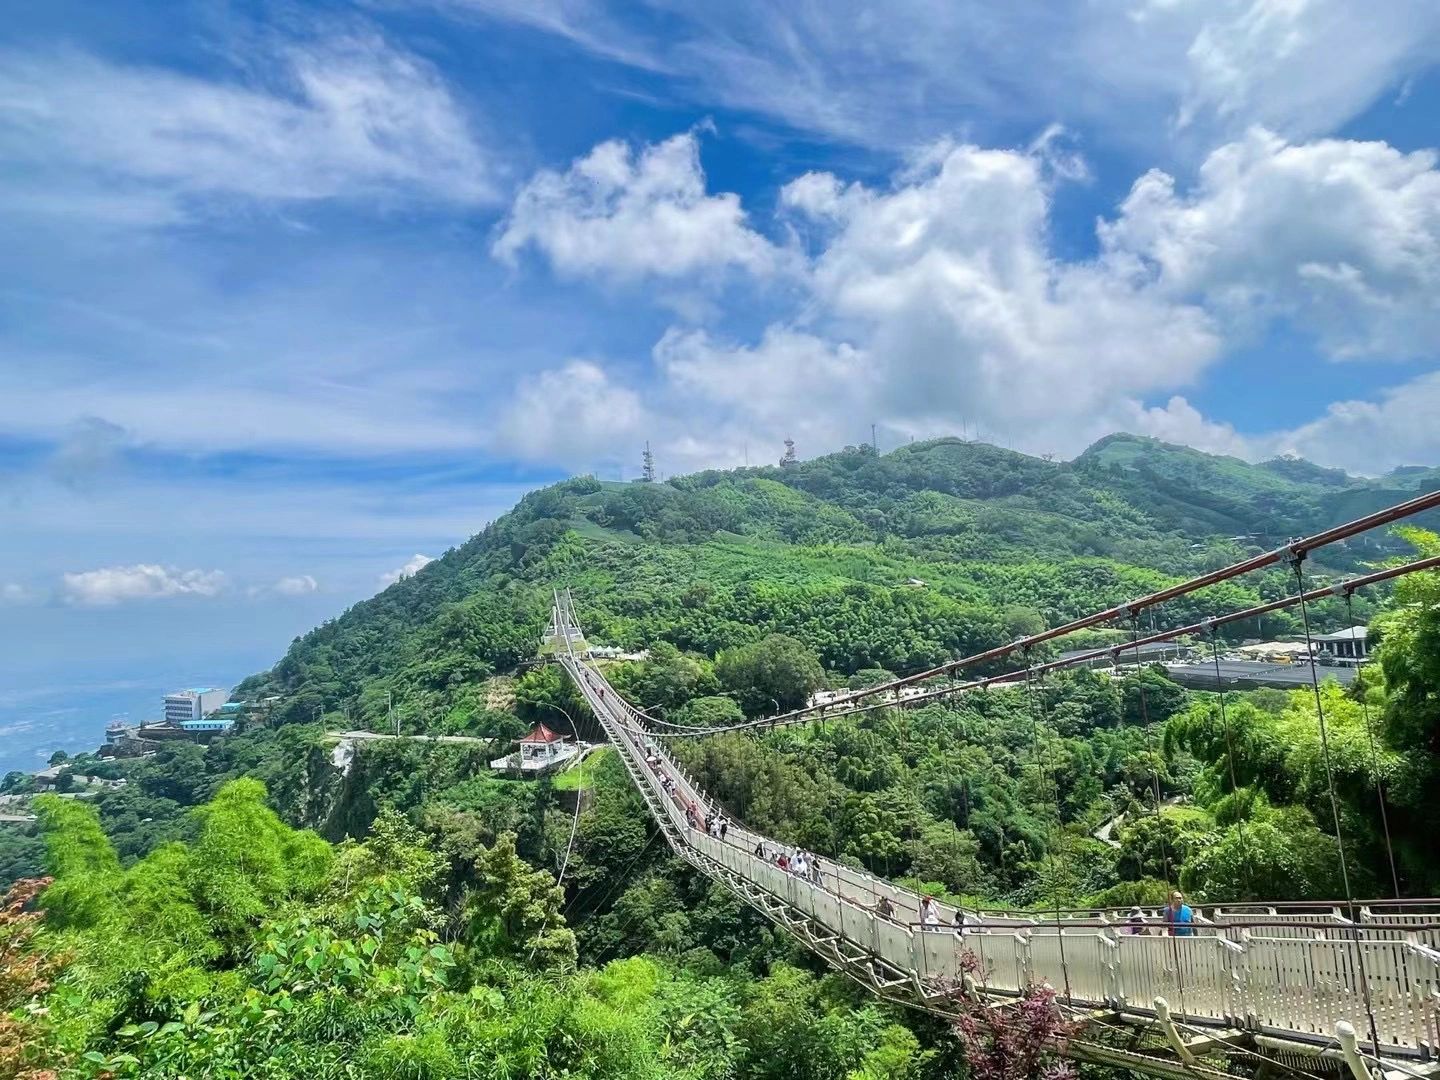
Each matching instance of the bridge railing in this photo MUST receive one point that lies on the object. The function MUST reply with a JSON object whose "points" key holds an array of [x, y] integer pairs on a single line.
{"points": [[1291, 973]]}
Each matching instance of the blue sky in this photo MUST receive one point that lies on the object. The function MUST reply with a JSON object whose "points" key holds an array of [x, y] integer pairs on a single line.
{"points": [[291, 293]]}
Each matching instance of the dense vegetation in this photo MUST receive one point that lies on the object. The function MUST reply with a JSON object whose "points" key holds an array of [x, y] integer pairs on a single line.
{"points": [[253, 909]]}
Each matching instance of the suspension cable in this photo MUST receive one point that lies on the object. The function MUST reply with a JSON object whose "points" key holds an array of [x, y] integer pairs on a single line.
{"points": [[1370, 735], [1257, 562], [1113, 652], [1297, 561], [1059, 865], [1150, 736], [1230, 761]]}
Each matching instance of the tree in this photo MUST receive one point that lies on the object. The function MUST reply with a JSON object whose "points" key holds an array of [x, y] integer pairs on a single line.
{"points": [[778, 672], [80, 859], [944, 854], [710, 712], [246, 861], [1278, 852], [514, 910]]}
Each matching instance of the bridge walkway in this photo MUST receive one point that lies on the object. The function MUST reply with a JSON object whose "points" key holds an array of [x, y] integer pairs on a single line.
{"points": [[1259, 981]]}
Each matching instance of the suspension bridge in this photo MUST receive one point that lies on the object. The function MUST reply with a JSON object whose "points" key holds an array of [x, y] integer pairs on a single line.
{"points": [[1350, 986]]}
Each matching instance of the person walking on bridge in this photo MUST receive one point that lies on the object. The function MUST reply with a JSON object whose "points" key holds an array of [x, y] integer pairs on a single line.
{"points": [[1179, 919], [929, 914]]}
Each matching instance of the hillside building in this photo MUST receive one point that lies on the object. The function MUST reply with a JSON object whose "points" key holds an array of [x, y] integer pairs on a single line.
{"points": [[1343, 646], [193, 704]]}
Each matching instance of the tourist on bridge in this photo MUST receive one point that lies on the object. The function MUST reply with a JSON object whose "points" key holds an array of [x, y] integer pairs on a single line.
{"points": [[1178, 916], [760, 850], [885, 909], [798, 866], [929, 914], [1135, 924], [724, 827]]}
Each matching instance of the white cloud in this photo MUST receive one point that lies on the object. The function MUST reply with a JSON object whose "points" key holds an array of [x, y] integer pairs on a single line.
{"points": [[1340, 237], [349, 117], [923, 68], [12, 593], [619, 213], [939, 302], [571, 415], [298, 585], [412, 566], [946, 282], [1371, 437], [143, 581], [786, 367], [1298, 65]]}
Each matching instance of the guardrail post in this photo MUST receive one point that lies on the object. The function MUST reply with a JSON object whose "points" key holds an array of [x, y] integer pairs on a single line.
{"points": [[1349, 1046]]}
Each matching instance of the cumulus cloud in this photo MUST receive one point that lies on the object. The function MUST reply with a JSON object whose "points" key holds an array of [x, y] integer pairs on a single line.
{"points": [[570, 415], [143, 581], [348, 117], [947, 283], [622, 213], [939, 302], [412, 566], [1371, 437], [1340, 237], [296, 585]]}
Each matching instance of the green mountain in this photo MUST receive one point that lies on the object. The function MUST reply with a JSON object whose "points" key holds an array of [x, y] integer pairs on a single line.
{"points": [[827, 550], [195, 926]]}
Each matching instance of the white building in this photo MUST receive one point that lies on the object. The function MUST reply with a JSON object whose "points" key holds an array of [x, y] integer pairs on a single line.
{"points": [[193, 704], [1344, 647]]}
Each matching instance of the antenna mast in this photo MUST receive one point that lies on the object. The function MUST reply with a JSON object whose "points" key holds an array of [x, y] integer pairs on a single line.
{"points": [[647, 472]]}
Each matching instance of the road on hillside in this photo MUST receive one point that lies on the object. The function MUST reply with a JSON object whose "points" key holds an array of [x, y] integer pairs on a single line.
{"points": [[360, 735]]}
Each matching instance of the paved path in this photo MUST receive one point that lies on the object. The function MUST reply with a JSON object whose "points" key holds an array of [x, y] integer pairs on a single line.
{"points": [[355, 736]]}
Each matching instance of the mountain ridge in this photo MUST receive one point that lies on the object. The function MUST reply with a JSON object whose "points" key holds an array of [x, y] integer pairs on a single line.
{"points": [[823, 549]]}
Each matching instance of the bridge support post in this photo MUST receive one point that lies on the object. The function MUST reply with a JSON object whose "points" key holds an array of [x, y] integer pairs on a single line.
{"points": [[1162, 1013]]}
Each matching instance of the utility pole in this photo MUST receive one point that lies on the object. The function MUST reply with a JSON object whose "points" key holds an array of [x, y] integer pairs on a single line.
{"points": [[875, 446], [390, 720], [647, 473]]}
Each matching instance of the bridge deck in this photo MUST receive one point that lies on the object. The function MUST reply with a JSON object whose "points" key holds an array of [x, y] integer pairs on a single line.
{"points": [[1289, 977]]}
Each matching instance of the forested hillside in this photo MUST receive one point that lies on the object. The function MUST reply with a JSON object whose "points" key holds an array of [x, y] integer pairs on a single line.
{"points": [[254, 908], [823, 550]]}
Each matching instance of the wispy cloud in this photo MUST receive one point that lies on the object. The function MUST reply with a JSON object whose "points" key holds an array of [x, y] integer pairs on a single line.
{"points": [[921, 68], [346, 117]]}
